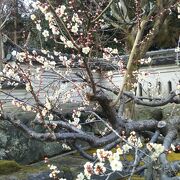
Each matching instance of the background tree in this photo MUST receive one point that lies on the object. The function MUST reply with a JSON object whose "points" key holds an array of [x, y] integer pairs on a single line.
{"points": [[4, 15]]}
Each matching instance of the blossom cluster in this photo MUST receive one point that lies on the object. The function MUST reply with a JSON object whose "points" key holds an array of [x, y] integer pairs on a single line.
{"points": [[155, 149], [76, 119], [99, 168], [72, 24], [24, 106], [12, 73], [146, 60], [133, 140], [66, 147], [54, 170], [72, 31], [109, 52]]}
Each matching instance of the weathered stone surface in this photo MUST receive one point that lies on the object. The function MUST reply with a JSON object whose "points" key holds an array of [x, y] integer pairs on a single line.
{"points": [[39, 176], [157, 113], [15, 145], [52, 148], [2, 153], [3, 139]]}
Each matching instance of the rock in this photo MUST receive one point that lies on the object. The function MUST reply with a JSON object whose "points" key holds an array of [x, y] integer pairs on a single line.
{"points": [[142, 112], [3, 139], [10, 178], [158, 113], [15, 145], [39, 176], [171, 110], [2, 154], [53, 148]]}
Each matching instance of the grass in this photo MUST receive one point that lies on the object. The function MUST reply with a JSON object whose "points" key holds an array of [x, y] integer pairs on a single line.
{"points": [[173, 156], [13, 168], [7, 167]]}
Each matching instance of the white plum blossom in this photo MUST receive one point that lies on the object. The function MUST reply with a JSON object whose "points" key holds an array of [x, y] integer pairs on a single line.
{"points": [[45, 33], [46, 65], [102, 154], [88, 169], [69, 44], [156, 150], [63, 8], [60, 11], [108, 50], [56, 53], [119, 151], [99, 168], [14, 53], [66, 147], [76, 113], [44, 51], [114, 156], [114, 51], [44, 112], [106, 56], [177, 49], [55, 31], [115, 40], [38, 27], [149, 60], [49, 16], [62, 38], [76, 18], [126, 148], [28, 87], [109, 73], [40, 59], [80, 176], [142, 61], [48, 104], [35, 4], [49, 65], [33, 17], [85, 50], [54, 171], [177, 89], [69, 25], [43, 8], [52, 167], [28, 108], [173, 147], [74, 28], [34, 52], [178, 8], [21, 56], [51, 117], [116, 165], [75, 123], [133, 140]]}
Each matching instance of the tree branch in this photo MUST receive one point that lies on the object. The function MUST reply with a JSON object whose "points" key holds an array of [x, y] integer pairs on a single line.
{"points": [[154, 102]]}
